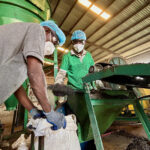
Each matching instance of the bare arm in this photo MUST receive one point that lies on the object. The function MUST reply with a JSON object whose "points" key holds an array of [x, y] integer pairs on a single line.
{"points": [[38, 82], [23, 99]]}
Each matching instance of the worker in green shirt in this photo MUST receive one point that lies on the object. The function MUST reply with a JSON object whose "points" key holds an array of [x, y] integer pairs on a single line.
{"points": [[76, 63]]}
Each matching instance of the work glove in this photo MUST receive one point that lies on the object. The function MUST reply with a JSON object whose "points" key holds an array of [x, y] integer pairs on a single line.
{"points": [[35, 113], [61, 89], [56, 119]]}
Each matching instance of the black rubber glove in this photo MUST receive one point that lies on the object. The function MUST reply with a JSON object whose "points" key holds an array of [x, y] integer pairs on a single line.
{"points": [[61, 89]]}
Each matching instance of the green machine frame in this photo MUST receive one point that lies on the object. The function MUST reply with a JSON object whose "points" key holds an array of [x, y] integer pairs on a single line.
{"points": [[115, 72]]}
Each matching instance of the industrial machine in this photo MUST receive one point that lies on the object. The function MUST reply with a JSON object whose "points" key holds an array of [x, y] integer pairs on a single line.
{"points": [[96, 112], [128, 111]]}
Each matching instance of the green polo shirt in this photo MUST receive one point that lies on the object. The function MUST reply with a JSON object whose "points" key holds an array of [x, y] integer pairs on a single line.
{"points": [[76, 68]]}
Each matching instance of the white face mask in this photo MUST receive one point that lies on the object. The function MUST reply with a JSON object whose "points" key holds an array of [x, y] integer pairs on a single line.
{"points": [[49, 48], [78, 47]]}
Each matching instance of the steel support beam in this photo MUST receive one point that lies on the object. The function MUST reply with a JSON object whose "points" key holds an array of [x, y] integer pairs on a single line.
{"points": [[58, 1], [93, 120], [71, 8], [143, 118]]}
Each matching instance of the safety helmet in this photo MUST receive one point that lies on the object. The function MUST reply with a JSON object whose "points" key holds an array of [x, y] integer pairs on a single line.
{"points": [[78, 35], [53, 26]]}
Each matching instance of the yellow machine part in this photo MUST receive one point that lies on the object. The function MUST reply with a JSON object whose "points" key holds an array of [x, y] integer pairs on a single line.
{"points": [[145, 103]]}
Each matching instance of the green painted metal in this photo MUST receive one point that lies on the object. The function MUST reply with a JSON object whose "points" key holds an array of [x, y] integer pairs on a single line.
{"points": [[22, 11], [125, 70], [55, 69], [127, 119], [100, 111], [11, 103], [26, 111], [48, 60], [110, 108], [96, 102], [55, 63], [143, 118], [25, 118], [122, 118], [93, 120]]}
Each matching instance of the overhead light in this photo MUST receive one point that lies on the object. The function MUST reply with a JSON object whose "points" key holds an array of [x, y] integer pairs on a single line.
{"points": [[62, 49], [86, 3], [66, 51], [95, 9], [105, 15], [48, 63]]}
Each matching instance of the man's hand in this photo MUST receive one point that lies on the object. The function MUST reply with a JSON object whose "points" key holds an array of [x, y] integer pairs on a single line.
{"points": [[35, 113], [61, 89], [56, 119]]}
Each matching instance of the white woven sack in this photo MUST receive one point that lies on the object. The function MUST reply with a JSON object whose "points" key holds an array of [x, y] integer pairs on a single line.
{"points": [[62, 139]]}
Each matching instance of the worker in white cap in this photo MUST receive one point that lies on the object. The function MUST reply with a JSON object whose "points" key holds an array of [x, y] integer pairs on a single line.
{"points": [[76, 63]]}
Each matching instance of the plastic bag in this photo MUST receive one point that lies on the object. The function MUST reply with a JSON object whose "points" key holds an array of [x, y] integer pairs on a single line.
{"points": [[21, 143], [64, 139]]}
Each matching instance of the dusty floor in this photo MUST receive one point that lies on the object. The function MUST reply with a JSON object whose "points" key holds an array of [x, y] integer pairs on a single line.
{"points": [[6, 118], [125, 141], [114, 142], [126, 138]]}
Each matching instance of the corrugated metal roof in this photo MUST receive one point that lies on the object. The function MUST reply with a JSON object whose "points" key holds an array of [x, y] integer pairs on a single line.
{"points": [[126, 33]]}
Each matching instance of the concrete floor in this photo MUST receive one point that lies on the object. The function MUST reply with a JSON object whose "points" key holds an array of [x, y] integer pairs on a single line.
{"points": [[116, 142], [125, 141], [111, 142]]}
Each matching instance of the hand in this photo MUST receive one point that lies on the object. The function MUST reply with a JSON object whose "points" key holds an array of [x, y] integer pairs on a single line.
{"points": [[61, 89], [35, 113], [61, 100], [56, 119]]}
